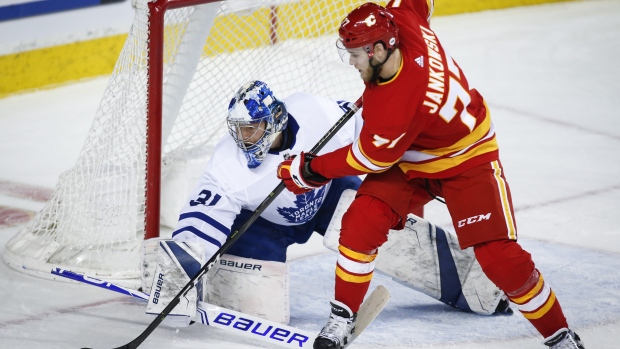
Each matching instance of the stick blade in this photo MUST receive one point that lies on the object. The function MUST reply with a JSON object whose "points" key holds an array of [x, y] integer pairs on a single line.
{"points": [[369, 310]]}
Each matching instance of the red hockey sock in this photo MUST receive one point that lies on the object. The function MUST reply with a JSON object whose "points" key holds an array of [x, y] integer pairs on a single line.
{"points": [[351, 293], [365, 226], [511, 268], [537, 302], [353, 274]]}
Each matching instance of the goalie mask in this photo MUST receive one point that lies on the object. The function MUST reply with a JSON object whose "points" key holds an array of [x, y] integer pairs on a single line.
{"points": [[255, 119]]}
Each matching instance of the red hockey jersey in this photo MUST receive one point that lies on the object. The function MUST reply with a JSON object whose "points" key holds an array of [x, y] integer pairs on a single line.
{"points": [[425, 120]]}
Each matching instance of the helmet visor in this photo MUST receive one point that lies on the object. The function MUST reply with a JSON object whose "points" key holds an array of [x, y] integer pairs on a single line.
{"points": [[352, 55]]}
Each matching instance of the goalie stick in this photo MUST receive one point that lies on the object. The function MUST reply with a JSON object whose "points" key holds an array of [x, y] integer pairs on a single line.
{"points": [[237, 233], [248, 325]]}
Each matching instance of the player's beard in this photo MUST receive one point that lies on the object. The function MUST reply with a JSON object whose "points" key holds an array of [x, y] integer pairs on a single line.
{"points": [[372, 71], [369, 74]]}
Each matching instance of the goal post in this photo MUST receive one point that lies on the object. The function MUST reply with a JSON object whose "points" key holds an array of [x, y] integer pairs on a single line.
{"points": [[160, 116]]}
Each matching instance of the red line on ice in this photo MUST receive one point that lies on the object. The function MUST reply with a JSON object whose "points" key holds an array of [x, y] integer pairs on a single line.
{"points": [[25, 191], [10, 216]]}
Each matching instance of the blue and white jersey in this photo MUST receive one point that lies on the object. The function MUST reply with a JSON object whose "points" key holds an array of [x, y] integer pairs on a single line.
{"points": [[228, 185]]}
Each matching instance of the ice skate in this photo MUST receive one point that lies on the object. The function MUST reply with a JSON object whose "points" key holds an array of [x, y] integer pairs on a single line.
{"points": [[339, 328], [503, 307], [564, 339]]}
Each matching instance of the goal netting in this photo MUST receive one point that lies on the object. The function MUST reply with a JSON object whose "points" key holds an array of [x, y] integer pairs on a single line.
{"points": [[162, 112]]}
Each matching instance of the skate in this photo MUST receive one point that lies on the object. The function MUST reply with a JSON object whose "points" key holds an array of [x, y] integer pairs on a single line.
{"points": [[503, 307], [336, 334], [564, 339]]}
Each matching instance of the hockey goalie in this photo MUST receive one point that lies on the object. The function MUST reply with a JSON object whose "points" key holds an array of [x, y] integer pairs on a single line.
{"points": [[253, 277]]}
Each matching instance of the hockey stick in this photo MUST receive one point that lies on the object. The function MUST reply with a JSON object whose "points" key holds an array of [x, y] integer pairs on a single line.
{"points": [[369, 310], [242, 324], [237, 234], [248, 325]]}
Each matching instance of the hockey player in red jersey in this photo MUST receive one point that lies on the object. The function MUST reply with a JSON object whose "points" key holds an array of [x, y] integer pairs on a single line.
{"points": [[427, 133]]}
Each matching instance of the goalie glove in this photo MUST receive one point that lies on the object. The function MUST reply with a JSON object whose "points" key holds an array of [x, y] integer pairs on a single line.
{"points": [[298, 175]]}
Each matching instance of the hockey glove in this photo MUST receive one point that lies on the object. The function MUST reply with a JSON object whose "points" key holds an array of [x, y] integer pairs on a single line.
{"points": [[298, 175]]}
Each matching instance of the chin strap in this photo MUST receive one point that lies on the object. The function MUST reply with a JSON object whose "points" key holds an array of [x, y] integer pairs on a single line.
{"points": [[375, 68]]}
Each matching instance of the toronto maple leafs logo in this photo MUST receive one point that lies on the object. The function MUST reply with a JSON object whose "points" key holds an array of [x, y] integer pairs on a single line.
{"points": [[306, 206]]}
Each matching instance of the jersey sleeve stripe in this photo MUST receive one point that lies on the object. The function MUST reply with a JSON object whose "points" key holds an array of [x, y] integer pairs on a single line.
{"points": [[352, 161], [443, 164], [421, 156], [198, 233], [358, 159], [384, 165], [203, 217], [202, 226], [426, 155]]}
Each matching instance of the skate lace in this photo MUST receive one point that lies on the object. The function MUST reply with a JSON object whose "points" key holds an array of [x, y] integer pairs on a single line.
{"points": [[336, 329], [568, 342]]}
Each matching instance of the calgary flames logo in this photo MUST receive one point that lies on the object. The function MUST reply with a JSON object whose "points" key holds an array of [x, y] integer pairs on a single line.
{"points": [[370, 20]]}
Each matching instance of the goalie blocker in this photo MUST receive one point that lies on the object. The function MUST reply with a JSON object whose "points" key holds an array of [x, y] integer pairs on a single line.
{"points": [[428, 259]]}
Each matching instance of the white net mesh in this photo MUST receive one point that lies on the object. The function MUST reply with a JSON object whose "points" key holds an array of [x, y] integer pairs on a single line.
{"points": [[94, 222]]}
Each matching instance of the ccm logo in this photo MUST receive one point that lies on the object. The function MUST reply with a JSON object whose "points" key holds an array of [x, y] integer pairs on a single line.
{"points": [[474, 219], [257, 328]]}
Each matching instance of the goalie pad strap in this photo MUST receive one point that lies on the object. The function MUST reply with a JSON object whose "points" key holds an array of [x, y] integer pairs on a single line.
{"points": [[450, 284], [182, 258]]}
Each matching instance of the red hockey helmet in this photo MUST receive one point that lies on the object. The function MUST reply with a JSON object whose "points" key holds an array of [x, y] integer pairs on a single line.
{"points": [[367, 25]]}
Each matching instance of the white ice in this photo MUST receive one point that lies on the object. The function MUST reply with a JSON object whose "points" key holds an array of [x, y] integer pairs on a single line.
{"points": [[551, 76]]}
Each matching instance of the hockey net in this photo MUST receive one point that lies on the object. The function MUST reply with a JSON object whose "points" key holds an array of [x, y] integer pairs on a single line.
{"points": [[164, 110]]}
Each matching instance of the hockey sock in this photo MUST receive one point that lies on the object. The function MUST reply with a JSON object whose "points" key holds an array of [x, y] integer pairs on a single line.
{"points": [[365, 226], [511, 268], [353, 274], [537, 302]]}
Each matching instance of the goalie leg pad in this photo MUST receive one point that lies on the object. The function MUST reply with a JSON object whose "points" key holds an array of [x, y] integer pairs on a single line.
{"points": [[177, 263], [429, 259], [148, 263], [250, 286], [332, 234]]}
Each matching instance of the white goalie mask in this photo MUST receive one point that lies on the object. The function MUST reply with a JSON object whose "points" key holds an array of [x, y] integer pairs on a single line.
{"points": [[255, 118]]}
